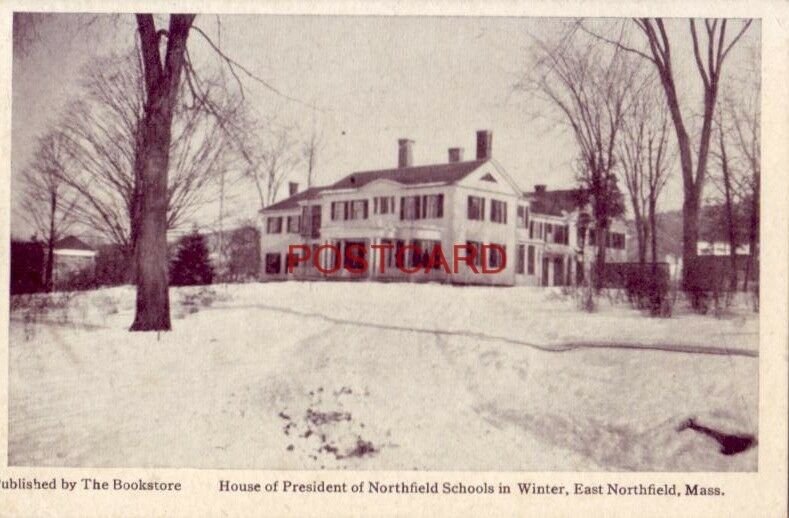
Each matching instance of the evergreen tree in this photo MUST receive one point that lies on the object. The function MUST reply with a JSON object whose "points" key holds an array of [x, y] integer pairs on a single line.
{"points": [[192, 265]]}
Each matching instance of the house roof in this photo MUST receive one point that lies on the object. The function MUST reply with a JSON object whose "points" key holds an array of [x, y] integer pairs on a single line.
{"points": [[293, 201], [554, 203], [72, 243], [435, 173]]}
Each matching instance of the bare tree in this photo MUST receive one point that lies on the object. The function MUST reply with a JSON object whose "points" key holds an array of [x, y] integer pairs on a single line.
{"points": [[645, 160], [276, 155], [591, 86], [101, 132], [709, 51], [48, 204], [311, 148], [165, 62], [746, 120], [738, 156], [729, 193]]}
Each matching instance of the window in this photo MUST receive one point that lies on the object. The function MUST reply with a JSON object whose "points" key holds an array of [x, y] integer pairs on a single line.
{"points": [[476, 208], [531, 229], [311, 220], [344, 210], [316, 221], [592, 237], [358, 209], [476, 247], [530, 262], [617, 240], [521, 265], [337, 210], [433, 206], [560, 234], [523, 216], [548, 233], [410, 207], [294, 224], [496, 257], [384, 205], [428, 206], [274, 225], [273, 264], [498, 211]]}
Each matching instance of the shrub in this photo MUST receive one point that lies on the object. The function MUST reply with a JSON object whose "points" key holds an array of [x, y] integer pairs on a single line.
{"points": [[192, 265], [647, 288], [706, 280]]}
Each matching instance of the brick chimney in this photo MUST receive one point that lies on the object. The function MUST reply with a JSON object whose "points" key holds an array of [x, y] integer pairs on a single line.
{"points": [[455, 154], [405, 154], [484, 144], [539, 188], [293, 188]]}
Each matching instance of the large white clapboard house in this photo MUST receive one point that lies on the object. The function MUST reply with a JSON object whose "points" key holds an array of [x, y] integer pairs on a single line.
{"points": [[415, 207]]}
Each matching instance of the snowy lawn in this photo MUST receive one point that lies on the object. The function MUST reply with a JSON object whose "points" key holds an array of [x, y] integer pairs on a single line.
{"points": [[377, 376]]}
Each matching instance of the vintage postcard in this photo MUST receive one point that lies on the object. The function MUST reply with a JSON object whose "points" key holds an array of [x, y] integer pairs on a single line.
{"points": [[427, 259]]}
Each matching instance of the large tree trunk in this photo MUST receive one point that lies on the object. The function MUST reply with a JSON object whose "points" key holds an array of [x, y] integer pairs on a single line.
{"points": [[153, 305], [690, 235], [643, 236], [150, 246]]}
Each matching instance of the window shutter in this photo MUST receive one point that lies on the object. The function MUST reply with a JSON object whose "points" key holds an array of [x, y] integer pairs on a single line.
{"points": [[402, 208], [440, 205], [366, 204]]}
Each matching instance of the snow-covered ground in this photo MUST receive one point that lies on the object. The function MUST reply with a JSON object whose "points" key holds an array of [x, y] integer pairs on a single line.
{"points": [[377, 376]]}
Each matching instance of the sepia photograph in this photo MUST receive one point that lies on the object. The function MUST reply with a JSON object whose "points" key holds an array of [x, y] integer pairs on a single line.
{"points": [[385, 243]]}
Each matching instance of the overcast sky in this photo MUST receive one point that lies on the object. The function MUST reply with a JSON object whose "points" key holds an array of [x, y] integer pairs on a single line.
{"points": [[435, 80]]}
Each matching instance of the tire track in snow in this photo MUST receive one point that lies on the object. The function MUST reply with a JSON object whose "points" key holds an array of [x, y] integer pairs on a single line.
{"points": [[553, 348]]}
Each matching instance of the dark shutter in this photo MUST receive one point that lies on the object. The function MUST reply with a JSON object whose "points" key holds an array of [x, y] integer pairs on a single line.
{"points": [[402, 208], [440, 205]]}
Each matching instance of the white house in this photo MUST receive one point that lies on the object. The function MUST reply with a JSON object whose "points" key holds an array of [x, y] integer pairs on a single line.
{"points": [[393, 220]]}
